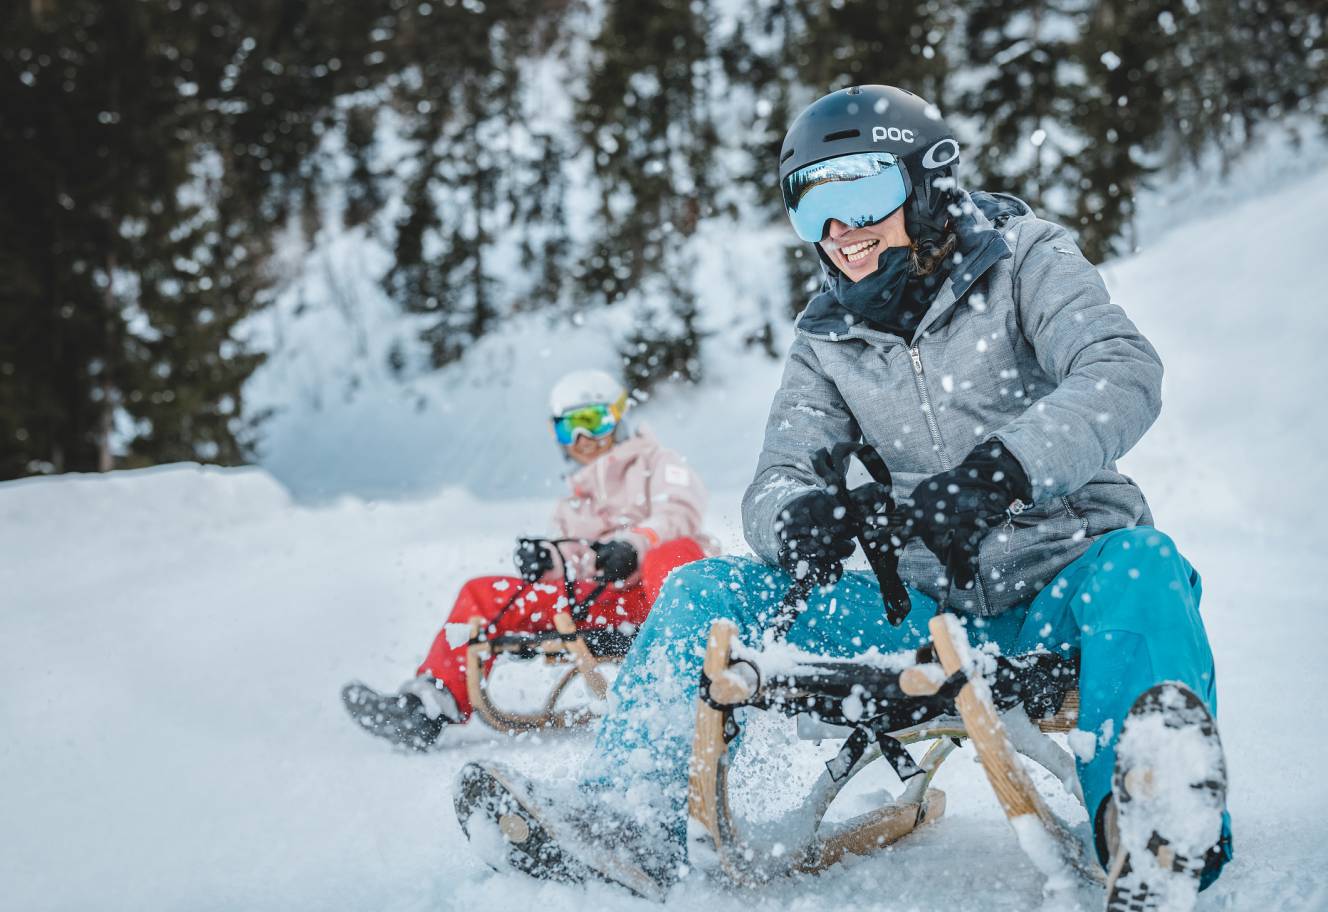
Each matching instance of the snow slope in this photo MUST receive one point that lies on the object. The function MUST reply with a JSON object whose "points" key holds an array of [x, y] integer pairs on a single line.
{"points": [[172, 642]]}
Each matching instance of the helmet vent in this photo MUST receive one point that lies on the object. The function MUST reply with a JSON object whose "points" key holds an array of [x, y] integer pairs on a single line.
{"points": [[786, 156], [841, 134]]}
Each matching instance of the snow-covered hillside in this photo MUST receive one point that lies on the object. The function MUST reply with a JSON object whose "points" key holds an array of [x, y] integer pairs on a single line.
{"points": [[172, 642], [341, 422]]}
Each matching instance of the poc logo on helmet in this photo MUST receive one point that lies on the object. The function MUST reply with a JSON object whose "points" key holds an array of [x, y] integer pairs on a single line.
{"points": [[881, 134]]}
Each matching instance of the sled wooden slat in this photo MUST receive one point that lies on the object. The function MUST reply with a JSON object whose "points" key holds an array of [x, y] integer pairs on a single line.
{"points": [[706, 802], [580, 652], [1066, 718], [870, 832], [1014, 788], [1008, 777], [509, 721], [921, 680]]}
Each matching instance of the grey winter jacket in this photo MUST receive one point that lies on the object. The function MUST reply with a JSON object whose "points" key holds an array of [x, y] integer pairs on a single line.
{"points": [[1022, 344]]}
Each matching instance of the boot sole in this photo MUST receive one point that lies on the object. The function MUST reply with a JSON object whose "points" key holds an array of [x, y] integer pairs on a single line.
{"points": [[508, 830], [494, 817], [1162, 874]]}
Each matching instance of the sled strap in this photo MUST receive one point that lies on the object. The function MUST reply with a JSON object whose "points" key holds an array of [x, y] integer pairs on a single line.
{"points": [[581, 610], [795, 600], [842, 763], [708, 697], [569, 584], [830, 464], [491, 628]]}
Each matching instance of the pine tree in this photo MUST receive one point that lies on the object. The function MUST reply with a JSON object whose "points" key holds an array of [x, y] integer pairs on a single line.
{"points": [[646, 121], [484, 187], [156, 161]]}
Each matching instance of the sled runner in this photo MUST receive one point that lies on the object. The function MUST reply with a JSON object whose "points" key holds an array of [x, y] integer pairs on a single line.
{"points": [[946, 693], [583, 650]]}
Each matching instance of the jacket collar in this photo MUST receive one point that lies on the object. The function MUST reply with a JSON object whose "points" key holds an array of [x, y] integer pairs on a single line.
{"points": [[640, 445], [979, 242]]}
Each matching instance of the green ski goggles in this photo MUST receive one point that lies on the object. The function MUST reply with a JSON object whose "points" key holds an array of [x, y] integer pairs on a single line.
{"points": [[596, 421]]}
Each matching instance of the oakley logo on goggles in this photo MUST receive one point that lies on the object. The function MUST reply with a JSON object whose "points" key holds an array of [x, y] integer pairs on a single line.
{"points": [[596, 420], [857, 190]]}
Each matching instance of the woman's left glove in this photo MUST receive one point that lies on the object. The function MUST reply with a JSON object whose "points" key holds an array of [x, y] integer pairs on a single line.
{"points": [[614, 560], [953, 511]]}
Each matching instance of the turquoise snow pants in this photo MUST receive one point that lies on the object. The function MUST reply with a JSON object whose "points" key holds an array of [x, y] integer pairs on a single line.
{"points": [[1129, 606]]}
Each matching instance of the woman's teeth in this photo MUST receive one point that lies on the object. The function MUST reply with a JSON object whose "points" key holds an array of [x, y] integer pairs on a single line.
{"points": [[856, 253]]}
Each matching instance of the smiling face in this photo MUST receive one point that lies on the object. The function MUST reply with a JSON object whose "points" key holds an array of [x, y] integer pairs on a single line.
{"points": [[855, 250], [586, 450]]}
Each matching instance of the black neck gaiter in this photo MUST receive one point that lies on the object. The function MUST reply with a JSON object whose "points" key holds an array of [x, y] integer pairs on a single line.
{"points": [[892, 299]]}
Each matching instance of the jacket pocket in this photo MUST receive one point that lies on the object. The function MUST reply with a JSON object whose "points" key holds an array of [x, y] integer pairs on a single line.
{"points": [[1108, 502], [1020, 557]]}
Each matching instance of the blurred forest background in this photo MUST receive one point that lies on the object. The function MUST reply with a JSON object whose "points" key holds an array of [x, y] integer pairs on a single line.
{"points": [[166, 161]]}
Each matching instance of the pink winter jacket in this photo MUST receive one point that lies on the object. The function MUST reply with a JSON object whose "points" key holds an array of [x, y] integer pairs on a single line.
{"points": [[638, 492]]}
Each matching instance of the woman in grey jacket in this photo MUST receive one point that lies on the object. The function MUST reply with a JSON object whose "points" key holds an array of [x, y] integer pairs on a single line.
{"points": [[971, 345]]}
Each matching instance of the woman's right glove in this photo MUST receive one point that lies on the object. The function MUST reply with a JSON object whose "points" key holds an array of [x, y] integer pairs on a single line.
{"points": [[533, 559], [816, 536]]}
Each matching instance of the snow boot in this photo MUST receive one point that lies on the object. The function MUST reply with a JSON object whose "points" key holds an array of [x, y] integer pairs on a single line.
{"points": [[571, 837], [413, 717], [1164, 821]]}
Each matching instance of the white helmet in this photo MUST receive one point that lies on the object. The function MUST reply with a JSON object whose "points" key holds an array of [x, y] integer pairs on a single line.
{"points": [[586, 387]]}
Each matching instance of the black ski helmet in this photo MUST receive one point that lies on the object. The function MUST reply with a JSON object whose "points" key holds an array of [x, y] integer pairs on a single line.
{"points": [[881, 118]]}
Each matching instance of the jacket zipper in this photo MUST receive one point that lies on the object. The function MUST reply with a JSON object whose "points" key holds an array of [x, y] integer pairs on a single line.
{"points": [[934, 426], [1083, 523], [1010, 513], [932, 423]]}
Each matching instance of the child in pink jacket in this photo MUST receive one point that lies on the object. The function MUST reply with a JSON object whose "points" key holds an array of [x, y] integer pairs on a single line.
{"points": [[633, 515]]}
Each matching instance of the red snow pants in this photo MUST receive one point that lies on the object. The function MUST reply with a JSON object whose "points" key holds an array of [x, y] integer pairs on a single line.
{"points": [[533, 610]]}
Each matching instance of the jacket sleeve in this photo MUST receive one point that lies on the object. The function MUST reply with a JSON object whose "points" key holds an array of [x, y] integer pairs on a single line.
{"points": [[677, 503], [807, 414], [1108, 376]]}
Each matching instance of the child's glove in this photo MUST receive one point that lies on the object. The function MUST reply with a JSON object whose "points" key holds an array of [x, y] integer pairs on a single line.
{"points": [[615, 560], [533, 559]]}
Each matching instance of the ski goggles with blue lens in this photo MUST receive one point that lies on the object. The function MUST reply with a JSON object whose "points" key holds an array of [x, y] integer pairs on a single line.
{"points": [[596, 421], [857, 190]]}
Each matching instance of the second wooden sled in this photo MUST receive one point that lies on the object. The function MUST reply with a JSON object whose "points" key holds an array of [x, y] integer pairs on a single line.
{"points": [[584, 652], [951, 700]]}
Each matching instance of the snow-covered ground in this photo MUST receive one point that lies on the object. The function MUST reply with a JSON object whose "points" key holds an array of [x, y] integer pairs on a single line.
{"points": [[172, 642]]}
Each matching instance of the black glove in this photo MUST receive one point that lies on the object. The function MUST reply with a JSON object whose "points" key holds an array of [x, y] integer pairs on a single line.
{"points": [[533, 558], [615, 560], [953, 511], [872, 502], [815, 537]]}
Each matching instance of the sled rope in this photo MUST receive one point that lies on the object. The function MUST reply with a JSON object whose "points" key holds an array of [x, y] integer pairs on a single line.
{"points": [[830, 465], [578, 609]]}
